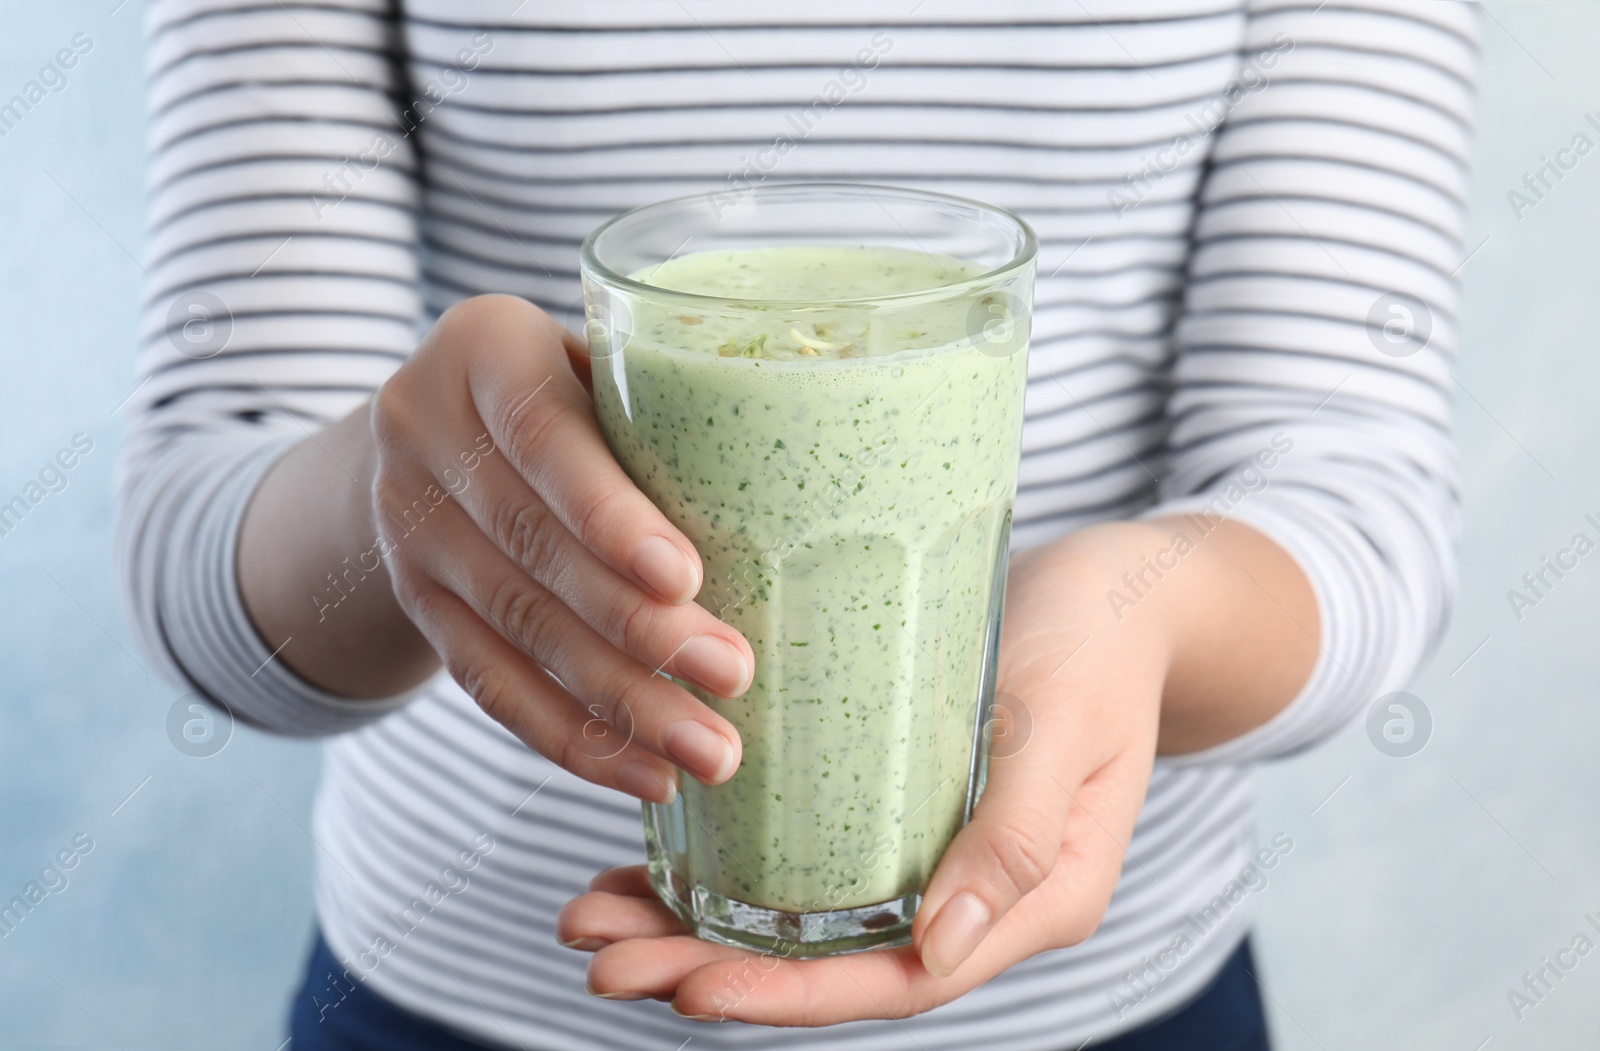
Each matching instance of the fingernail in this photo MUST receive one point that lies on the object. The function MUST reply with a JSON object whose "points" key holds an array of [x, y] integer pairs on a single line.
{"points": [[584, 944], [697, 1018], [954, 933], [714, 664], [702, 751], [611, 996], [659, 563], [638, 778]]}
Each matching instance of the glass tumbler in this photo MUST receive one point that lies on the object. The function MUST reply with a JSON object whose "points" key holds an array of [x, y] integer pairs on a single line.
{"points": [[845, 464]]}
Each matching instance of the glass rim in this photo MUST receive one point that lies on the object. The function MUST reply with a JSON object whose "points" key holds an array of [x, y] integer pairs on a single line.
{"points": [[589, 261]]}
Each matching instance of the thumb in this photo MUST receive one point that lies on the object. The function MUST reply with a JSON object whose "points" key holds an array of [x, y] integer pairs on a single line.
{"points": [[1009, 848]]}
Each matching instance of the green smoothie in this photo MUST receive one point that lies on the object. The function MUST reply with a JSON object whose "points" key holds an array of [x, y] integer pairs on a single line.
{"points": [[847, 473]]}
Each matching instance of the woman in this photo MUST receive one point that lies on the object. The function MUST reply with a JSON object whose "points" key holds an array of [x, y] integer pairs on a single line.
{"points": [[1233, 528]]}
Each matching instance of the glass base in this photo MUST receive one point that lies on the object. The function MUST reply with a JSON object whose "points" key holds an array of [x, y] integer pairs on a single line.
{"points": [[794, 935]]}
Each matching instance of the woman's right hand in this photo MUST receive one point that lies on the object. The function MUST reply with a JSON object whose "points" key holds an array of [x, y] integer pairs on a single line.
{"points": [[553, 590]]}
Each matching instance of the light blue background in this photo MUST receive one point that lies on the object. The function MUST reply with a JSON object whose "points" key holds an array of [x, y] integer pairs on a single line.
{"points": [[1415, 895]]}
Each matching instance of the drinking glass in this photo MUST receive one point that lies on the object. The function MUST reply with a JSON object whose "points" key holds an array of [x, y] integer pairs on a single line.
{"points": [[846, 467]]}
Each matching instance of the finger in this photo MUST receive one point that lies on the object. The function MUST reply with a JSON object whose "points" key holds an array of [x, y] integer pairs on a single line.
{"points": [[1011, 846], [686, 640], [887, 983], [649, 709], [543, 420], [769, 990], [632, 880], [639, 968], [718, 983], [523, 698], [591, 921]]}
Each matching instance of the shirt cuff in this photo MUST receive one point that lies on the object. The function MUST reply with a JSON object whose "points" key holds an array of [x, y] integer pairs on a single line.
{"points": [[209, 634], [1330, 701]]}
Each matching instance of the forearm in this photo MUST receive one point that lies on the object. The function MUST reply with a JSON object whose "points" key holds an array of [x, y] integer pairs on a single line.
{"points": [[1221, 614], [310, 575]]}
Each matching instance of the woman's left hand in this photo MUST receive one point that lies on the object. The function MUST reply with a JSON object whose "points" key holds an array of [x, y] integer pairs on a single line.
{"points": [[1192, 630], [1033, 870]]}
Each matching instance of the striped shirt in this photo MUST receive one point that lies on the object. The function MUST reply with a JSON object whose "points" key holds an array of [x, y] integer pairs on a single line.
{"points": [[1249, 214]]}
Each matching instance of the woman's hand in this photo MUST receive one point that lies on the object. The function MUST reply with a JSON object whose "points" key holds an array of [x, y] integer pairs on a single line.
{"points": [[548, 584], [1036, 867]]}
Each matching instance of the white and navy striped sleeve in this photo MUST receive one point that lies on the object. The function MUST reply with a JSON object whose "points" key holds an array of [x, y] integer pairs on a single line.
{"points": [[1312, 387], [282, 290]]}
